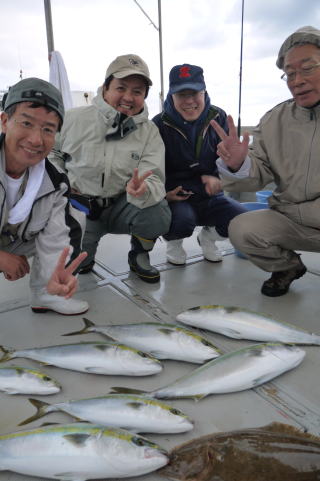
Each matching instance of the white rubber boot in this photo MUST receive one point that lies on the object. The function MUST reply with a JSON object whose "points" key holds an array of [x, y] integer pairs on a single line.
{"points": [[176, 254], [206, 239], [41, 302]]}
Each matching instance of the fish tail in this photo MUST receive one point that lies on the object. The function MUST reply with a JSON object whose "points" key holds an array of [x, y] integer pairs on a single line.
{"points": [[41, 407], [7, 354], [127, 390], [84, 330]]}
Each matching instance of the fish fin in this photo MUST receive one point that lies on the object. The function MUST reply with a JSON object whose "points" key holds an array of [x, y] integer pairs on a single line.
{"points": [[11, 391], [77, 438], [68, 477], [281, 428], [165, 330], [261, 380], [231, 333], [7, 353], [135, 405], [41, 407], [157, 355], [84, 330], [127, 390], [43, 425], [198, 397], [95, 370], [108, 337]]}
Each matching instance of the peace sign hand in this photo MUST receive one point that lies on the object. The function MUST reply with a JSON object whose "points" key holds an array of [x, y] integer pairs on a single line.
{"points": [[231, 149], [137, 185], [62, 281]]}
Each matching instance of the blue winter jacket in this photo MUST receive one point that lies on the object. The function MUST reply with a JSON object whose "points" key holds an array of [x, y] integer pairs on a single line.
{"points": [[190, 146]]}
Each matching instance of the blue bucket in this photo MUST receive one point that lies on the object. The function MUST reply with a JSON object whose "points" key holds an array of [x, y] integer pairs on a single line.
{"points": [[252, 206], [262, 195], [255, 205]]}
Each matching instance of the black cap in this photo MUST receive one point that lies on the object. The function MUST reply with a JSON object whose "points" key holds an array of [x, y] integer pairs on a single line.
{"points": [[186, 76], [35, 90]]}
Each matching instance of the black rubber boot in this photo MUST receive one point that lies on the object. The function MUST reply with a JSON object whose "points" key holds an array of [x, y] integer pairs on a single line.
{"points": [[139, 261], [87, 268], [279, 282]]}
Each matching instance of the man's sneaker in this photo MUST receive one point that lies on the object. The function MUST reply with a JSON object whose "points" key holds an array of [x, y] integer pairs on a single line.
{"points": [[87, 268], [279, 282], [42, 302], [206, 239], [176, 254]]}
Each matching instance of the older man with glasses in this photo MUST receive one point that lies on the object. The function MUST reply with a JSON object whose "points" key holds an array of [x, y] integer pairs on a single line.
{"points": [[192, 180], [36, 218], [285, 150]]}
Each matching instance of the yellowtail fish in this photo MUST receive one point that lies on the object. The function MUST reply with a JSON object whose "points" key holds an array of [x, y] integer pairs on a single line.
{"points": [[236, 371], [239, 323], [277, 452], [78, 452], [21, 380], [161, 340], [91, 357], [132, 412]]}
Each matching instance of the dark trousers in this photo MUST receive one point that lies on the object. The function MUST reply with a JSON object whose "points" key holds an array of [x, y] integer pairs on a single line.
{"points": [[216, 211], [125, 218]]}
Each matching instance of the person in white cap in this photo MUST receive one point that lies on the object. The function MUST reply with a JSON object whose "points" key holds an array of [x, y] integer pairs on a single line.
{"points": [[114, 157], [36, 218], [285, 150]]}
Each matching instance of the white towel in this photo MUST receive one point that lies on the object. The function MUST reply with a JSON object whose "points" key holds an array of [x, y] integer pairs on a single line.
{"points": [[22, 209], [59, 78]]}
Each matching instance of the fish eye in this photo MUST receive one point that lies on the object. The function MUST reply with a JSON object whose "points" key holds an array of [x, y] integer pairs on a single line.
{"points": [[144, 442], [175, 411], [138, 441], [205, 342], [142, 354], [46, 378]]}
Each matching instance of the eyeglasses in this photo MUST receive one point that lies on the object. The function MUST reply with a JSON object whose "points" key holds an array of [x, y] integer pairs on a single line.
{"points": [[304, 72], [48, 132], [193, 95]]}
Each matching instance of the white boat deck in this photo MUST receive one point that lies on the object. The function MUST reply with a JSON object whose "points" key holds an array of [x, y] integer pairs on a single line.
{"points": [[116, 296]]}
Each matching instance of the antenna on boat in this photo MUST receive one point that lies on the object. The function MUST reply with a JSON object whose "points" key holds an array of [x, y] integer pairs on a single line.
{"points": [[47, 11], [159, 29], [240, 73]]}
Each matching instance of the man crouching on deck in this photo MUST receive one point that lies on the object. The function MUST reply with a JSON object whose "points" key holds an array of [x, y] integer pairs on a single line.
{"points": [[286, 150], [36, 218]]}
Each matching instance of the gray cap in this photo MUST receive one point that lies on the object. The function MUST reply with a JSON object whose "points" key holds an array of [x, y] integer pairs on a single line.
{"points": [[35, 90], [126, 65], [302, 35]]}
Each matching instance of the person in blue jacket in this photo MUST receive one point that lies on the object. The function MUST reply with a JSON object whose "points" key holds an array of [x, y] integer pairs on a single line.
{"points": [[193, 186]]}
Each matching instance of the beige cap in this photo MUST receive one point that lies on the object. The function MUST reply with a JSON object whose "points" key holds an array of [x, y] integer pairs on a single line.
{"points": [[303, 35], [126, 65]]}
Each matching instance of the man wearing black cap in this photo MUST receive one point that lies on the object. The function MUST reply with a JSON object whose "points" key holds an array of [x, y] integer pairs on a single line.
{"points": [[36, 218], [192, 180], [285, 150], [114, 157]]}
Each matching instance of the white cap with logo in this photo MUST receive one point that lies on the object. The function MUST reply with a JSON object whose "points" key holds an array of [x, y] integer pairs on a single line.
{"points": [[126, 65]]}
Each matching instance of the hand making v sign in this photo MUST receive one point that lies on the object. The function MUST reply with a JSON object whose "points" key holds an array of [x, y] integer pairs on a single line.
{"points": [[231, 149]]}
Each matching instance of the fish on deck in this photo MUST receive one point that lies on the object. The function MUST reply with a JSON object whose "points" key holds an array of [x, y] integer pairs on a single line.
{"points": [[243, 369], [239, 323], [22, 380], [277, 452], [161, 340], [132, 412], [91, 357], [78, 452]]}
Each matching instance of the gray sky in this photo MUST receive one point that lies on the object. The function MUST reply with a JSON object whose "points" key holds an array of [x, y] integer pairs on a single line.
{"points": [[90, 34]]}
